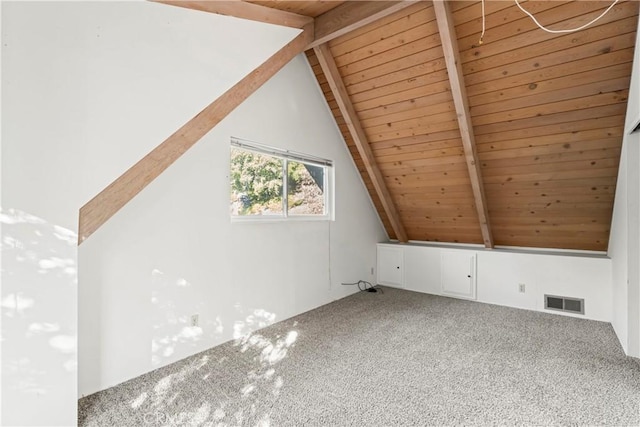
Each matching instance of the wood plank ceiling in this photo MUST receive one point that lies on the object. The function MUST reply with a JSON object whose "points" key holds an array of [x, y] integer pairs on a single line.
{"points": [[547, 113], [514, 141]]}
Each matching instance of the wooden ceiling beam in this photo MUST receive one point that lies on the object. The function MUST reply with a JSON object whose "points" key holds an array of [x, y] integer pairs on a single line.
{"points": [[461, 102], [352, 15], [110, 200], [339, 90], [244, 10]]}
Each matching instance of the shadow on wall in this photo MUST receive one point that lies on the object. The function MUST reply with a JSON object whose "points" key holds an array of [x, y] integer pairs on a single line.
{"points": [[232, 384], [175, 334], [39, 335]]}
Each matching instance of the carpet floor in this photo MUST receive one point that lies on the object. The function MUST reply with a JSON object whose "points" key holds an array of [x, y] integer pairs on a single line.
{"points": [[387, 359]]}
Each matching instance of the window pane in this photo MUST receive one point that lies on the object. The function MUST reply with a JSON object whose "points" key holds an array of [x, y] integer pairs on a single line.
{"points": [[305, 189], [256, 183]]}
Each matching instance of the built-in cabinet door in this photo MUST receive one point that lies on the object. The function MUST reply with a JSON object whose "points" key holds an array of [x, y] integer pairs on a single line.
{"points": [[390, 266], [458, 273]]}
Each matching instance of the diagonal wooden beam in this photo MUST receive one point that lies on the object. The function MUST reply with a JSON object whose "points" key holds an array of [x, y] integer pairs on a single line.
{"points": [[459, 93], [339, 90], [241, 9], [103, 206], [352, 15]]}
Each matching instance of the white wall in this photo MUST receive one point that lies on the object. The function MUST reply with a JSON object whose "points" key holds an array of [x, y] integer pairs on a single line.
{"points": [[618, 248], [38, 303], [499, 273], [94, 86], [624, 243], [88, 89], [173, 251]]}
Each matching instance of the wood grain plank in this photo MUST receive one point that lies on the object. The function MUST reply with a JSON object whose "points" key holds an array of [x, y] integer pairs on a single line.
{"points": [[244, 10], [518, 24], [590, 63], [597, 48], [428, 83], [574, 120], [310, 8], [445, 164], [458, 91], [421, 122], [531, 37], [455, 151], [425, 127], [425, 66], [419, 110], [551, 91], [436, 138], [574, 166], [617, 95], [606, 182], [381, 45], [388, 26], [436, 94], [350, 16], [497, 13], [557, 158], [551, 175], [578, 139], [544, 91], [401, 51], [538, 52], [421, 55], [438, 103], [372, 27], [357, 133], [414, 144]]}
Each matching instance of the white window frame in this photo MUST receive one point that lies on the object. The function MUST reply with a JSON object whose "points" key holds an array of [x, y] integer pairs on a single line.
{"points": [[286, 155]]}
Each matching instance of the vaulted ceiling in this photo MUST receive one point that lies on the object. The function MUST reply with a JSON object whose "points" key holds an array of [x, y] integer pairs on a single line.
{"points": [[512, 138], [547, 113]]}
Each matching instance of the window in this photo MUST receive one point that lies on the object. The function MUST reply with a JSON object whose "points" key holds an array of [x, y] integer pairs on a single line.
{"points": [[269, 183]]}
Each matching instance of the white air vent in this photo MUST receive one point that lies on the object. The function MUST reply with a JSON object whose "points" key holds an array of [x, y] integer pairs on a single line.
{"points": [[566, 304]]}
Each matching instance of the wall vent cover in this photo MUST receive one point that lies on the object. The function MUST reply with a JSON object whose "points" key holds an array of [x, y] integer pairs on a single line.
{"points": [[567, 304]]}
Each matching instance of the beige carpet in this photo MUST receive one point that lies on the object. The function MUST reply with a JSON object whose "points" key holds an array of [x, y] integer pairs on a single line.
{"points": [[398, 358]]}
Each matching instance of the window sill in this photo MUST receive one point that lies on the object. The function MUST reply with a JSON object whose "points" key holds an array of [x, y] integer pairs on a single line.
{"points": [[276, 219]]}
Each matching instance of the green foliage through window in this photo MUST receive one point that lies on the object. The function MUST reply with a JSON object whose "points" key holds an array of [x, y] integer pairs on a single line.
{"points": [[257, 185]]}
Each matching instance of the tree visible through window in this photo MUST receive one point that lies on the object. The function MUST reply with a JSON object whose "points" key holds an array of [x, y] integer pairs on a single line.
{"points": [[261, 176]]}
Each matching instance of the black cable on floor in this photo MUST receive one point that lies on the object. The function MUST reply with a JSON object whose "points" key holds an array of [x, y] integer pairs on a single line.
{"points": [[364, 286]]}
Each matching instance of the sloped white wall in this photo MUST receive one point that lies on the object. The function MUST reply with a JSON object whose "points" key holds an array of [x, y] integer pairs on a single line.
{"points": [[87, 89], [91, 87], [624, 244], [173, 251]]}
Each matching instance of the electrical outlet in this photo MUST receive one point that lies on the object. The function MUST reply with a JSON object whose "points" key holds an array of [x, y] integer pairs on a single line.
{"points": [[195, 320], [521, 287], [372, 271]]}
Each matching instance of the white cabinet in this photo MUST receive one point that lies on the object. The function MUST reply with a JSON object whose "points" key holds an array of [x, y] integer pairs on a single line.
{"points": [[458, 273], [422, 269], [495, 276], [390, 266]]}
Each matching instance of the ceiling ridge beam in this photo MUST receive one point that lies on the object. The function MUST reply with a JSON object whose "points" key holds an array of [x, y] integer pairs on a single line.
{"points": [[461, 102], [117, 194], [352, 15], [244, 10], [330, 70]]}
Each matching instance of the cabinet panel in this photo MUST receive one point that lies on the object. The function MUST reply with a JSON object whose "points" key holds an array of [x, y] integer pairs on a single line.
{"points": [[458, 274], [422, 269], [390, 266]]}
